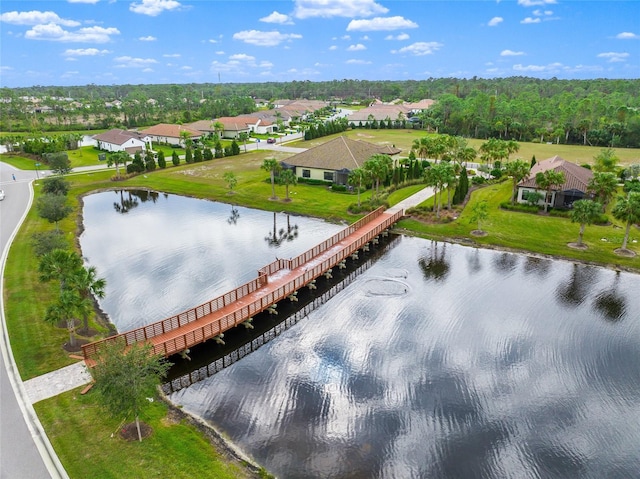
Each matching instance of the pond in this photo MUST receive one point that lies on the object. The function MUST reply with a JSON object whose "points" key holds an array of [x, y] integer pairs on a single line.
{"points": [[438, 360]]}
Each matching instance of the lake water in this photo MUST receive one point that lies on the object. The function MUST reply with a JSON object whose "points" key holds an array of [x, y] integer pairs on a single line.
{"points": [[438, 361]]}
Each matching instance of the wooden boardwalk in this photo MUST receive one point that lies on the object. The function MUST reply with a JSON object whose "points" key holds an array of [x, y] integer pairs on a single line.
{"points": [[276, 281]]}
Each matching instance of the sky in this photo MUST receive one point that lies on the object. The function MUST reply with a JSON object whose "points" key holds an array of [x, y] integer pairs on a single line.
{"points": [[111, 42]]}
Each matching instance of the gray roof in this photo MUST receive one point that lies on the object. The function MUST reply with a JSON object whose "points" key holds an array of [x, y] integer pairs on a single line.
{"points": [[118, 137], [577, 177], [340, 153]]}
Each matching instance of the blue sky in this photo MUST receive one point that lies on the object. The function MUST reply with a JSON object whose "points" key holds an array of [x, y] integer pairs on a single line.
{"points": [[77, 42]]}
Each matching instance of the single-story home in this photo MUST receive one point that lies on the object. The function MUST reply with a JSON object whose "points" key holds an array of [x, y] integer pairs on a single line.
{"points": [[122, 140], [171, 134], [574, 188], [233, 126], [334, 160], [379, 112]]}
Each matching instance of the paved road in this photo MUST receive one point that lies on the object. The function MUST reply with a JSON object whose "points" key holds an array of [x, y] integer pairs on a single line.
{"points": [[25, 450]]}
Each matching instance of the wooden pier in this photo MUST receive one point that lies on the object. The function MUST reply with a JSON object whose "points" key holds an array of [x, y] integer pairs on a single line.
{"points": [[276, 281]]}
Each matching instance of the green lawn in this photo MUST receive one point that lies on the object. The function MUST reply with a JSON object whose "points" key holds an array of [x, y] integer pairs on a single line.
{"points": [[536, 233], [87, 442]]}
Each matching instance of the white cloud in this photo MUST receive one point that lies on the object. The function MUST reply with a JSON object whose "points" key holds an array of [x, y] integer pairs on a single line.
{"points": [[36, 17], [279, 18], [380, 24], [153, 8], [358, 62], [333, 47], [535, 3], [627, 36], [552, 67], [242, 57], [265, 39], [171, 55], [355, 48], [401, 36], [55, 33], [147, 70], [614, 57], [337, 8], [186, 68], [131, 62], [84, 52], [529, 20], [420, 48], [147, 39], [495, 21], [510, 53], [220, 52], [540, 13]]}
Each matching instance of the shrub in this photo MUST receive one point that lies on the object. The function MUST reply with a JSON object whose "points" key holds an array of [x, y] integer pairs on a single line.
{"points": [[506, 205], [478, 180]]}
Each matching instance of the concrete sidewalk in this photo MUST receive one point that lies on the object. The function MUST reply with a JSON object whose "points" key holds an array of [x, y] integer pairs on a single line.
{"points": [[56, 382], [413, 200]]}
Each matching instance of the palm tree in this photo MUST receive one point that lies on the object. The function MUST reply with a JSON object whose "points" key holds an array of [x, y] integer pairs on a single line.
{"points": [[287, 178], [603, 185], [627, 209], [518, 170], [117, 158], [436, 178], [378, 166], [85, 281], [70, 303], [272, 166], [356, 177], [584, 212], [547, 180], [59, 264], [244, 137]]}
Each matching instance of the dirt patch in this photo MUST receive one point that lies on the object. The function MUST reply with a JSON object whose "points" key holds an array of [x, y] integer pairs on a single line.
{"points": [[577, 246], [129, 432], [478, 233], [627, 253]]}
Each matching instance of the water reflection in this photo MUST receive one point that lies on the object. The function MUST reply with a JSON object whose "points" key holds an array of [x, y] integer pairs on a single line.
{"points": [[576, 290], [234, 216], [127, 201], [278, 236], [435, 266], [505, 262], [538, 266], [610, 302]]}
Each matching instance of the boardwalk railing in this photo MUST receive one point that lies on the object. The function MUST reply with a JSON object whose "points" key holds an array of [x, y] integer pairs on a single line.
{"points": [[197, 333]]}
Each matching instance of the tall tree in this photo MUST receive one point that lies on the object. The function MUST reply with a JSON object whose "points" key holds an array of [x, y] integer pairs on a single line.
{"points": [[518, 170], [606, 160], [547, 181], [584, 212], [379, 167], [244, 137], [627, 209], [603, 185], [287, 178], [273, 167], [126, 376], [116, 159], [59, 264], [355, 179], [69, 305], [53, 208], [86, 282]]}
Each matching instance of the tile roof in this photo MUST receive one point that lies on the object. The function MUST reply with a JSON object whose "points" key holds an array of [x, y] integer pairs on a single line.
{"points": [[170, 130], [576, 176], [379, 112], [201, 125], [118, 137], [340, 153], [233, 123]]}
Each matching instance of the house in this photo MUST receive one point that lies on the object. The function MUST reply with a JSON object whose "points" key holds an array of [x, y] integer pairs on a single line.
{"points": [[574, 188], [122, 140], [379, 112], [232, 127], [334, 160], [171, 134]]}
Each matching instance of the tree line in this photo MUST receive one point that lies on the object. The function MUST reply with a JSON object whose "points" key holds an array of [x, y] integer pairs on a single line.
{"points": [[598, 112]]}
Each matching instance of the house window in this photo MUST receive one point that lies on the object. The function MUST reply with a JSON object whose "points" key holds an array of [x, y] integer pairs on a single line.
{"points": [[328, 175], [306, 173]]}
